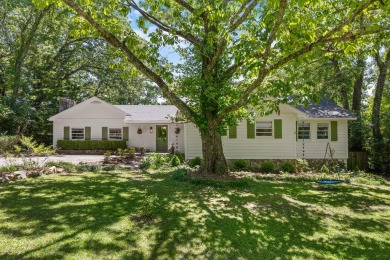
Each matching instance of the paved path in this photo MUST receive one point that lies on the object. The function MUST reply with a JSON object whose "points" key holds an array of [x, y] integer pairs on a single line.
{"points": [[55, 158]]}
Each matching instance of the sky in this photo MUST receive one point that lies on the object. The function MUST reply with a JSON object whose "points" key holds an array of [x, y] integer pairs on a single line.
{"points": [[166, 52]]}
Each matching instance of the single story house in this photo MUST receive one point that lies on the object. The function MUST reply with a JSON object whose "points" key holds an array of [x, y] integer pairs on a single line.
{"points": [[291, 133]]}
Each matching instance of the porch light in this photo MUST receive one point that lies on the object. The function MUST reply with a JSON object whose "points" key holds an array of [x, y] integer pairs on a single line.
{"points": [[151, 129]]}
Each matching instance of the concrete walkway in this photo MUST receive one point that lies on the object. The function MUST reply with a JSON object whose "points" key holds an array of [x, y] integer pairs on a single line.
{"points": [[57, 158]]}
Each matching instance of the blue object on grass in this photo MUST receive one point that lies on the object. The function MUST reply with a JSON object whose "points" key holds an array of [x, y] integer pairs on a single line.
{"points": [[327, 182]]}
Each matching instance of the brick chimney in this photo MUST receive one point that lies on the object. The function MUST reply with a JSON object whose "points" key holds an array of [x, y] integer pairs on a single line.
{"points": [[66, 103]]}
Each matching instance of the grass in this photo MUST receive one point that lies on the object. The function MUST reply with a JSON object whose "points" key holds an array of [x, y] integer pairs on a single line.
{"points": [[134, 215]]}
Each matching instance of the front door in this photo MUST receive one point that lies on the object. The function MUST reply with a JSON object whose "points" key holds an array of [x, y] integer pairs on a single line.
{"points": [[162, 138]]}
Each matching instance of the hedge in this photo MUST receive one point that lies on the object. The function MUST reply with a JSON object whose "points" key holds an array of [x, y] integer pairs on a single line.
{"points": [[90, 145]]}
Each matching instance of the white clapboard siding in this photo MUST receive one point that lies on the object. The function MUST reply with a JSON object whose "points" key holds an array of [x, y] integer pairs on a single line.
{"points": [[95, 124], [315, 148], [98, 114], [262, 147], [148, 139], [269, 148]]}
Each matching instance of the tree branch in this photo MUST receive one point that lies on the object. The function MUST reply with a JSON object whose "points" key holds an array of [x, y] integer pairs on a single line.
{"points": [[185, 5], [239, 20], [347, 36], [164, 27], [264, 71], [274, 30], [133, 59], [322, 38], [233, 26]]}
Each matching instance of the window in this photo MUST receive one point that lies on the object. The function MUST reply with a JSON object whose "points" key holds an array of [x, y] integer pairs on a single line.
{"points": [[263, 128], [115, 133], [303, 130], [322, 130], [77, 133]]}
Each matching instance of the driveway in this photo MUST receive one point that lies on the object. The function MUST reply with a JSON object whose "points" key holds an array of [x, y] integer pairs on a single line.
{"points": [[57, 158]]}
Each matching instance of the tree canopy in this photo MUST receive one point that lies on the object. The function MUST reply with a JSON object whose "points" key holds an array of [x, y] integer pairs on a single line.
{"points": [[44, 57], [236, 54]]}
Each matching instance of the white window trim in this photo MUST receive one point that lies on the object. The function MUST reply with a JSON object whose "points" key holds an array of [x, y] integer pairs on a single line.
{"points": [[265, 136], [109, 134], [310, 134], [74, 128], [323, 139]]}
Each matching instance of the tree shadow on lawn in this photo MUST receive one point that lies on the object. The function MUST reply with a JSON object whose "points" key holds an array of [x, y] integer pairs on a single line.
{"points": [[89, 215]]}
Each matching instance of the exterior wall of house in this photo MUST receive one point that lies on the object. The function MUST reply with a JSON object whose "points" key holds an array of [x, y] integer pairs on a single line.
{"points": [[91, 114], [95, 124], [265, 147], [148, 139], [261, 147], [315, 148]]}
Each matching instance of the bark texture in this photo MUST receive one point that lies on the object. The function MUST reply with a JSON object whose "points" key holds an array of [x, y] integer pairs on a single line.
{"points": [[214, 161], [376, 108], [358, 86]]}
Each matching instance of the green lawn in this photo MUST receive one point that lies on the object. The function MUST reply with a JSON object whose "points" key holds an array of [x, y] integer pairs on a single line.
{"points": [[97, 216]]}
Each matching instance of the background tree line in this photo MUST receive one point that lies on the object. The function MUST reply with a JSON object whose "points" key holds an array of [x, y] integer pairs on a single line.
{"points": [[44, 57]]}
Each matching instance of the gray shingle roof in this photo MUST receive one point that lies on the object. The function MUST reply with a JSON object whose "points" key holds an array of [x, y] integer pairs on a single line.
{"points": [[325, 109], [152, 113]]}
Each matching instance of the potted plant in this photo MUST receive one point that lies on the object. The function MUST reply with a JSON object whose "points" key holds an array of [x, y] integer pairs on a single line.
{"points": [[142, 149], [171, 149], [177, 130], [139, 130]]}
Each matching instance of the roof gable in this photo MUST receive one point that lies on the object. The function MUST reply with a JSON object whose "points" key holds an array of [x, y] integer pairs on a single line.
{"points": [[81, 107]]}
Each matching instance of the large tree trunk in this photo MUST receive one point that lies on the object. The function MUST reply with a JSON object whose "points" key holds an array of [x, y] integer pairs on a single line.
{"points": [[214, 161], [356, 135], [358, 86], [383, 68], [340, 81]]}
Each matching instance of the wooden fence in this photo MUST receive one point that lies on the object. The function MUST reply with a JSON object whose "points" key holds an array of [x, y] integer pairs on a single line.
{"points": [[359, 159]]}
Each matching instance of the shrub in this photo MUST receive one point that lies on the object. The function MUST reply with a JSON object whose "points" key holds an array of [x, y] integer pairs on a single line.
{"points": [[181, 157], [121, 152], [197, 161], [302, 165], [9, 168], [267, 167], [324, 169], [109, 168], [288, 167], [240, 165], [107, 156], [149, 205], [7, 142], [130, 153], [65, 165], [180, 174], [32, 147], [175, 161], [90, 144], [145, 164], [88, 168]]}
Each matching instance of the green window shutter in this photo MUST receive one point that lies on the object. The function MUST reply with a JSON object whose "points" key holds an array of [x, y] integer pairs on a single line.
{"points": [[104, 133], [278, 128], [125, 134], [250, 129], [87, 133], [333, 131], [296, 130], [233, 131], [66, 132]]}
